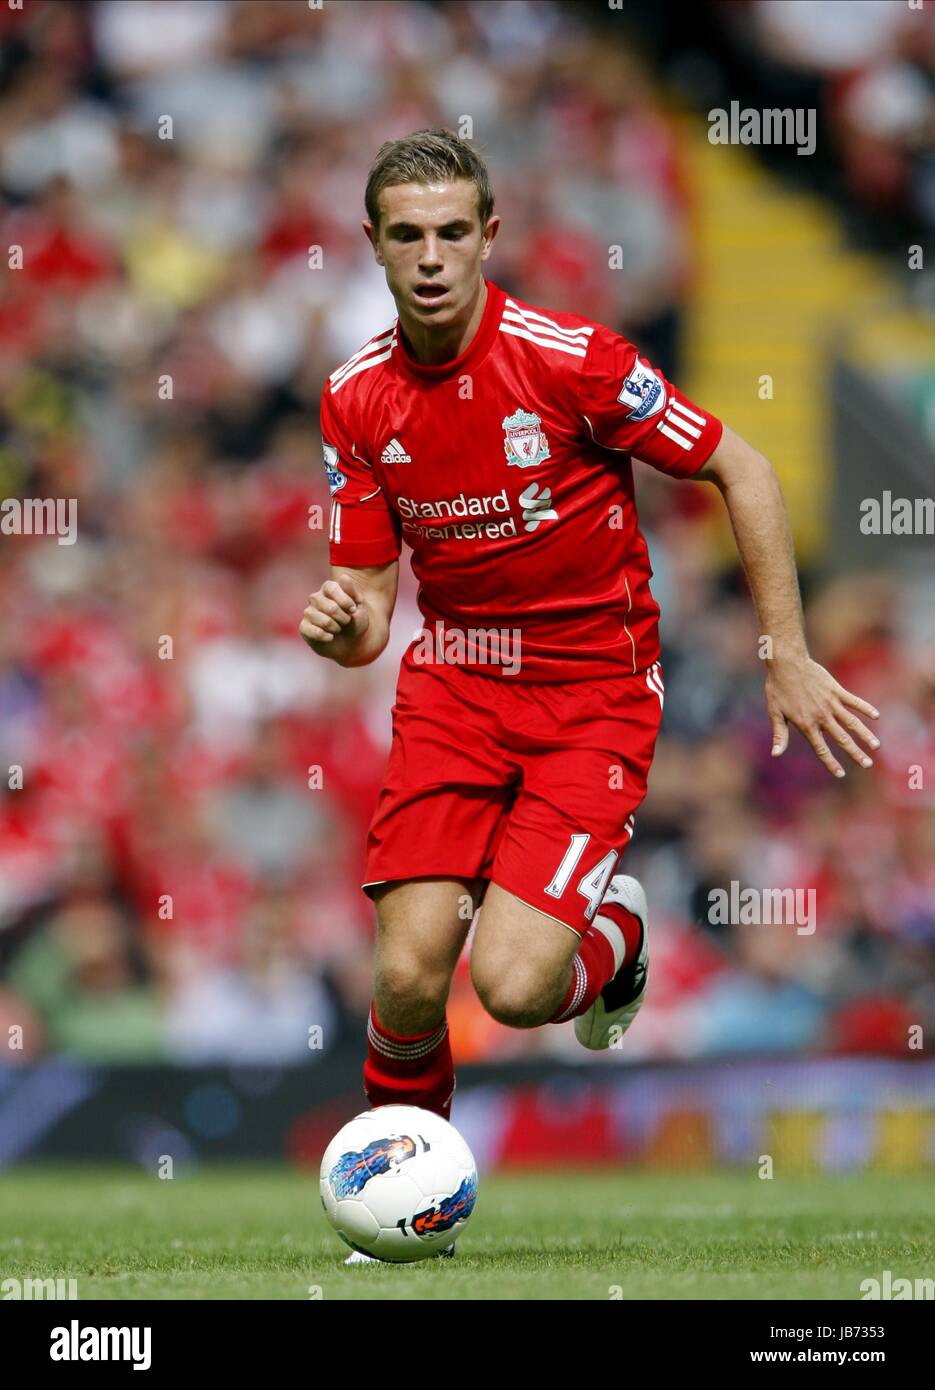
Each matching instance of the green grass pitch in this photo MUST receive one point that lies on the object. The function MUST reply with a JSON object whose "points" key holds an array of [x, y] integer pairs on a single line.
{"points": [[258, 1232]]}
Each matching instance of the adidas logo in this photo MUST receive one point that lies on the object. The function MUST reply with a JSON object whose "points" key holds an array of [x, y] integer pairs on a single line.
{"points": [[395, 453]]}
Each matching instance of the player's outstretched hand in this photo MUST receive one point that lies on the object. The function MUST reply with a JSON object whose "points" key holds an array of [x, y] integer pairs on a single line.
{"points": [[802, 693], [335, 618]]}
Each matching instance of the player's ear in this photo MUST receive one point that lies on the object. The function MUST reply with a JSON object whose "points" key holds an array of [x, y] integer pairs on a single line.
{"points": [[370, 232], [490, 231]]}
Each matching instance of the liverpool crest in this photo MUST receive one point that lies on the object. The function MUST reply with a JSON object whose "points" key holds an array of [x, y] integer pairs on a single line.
{"points": [[523, 441]]}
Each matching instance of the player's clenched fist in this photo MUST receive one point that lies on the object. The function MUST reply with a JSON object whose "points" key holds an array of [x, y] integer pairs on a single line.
{"points": [[336, 618]]}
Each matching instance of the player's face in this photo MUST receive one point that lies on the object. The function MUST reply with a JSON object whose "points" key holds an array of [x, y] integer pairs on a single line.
{"points": [[431, 243]]}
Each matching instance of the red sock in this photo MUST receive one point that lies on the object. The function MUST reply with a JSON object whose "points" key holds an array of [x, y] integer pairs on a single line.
{"points": [[416, 1070], [629, 924], [594, 963]]}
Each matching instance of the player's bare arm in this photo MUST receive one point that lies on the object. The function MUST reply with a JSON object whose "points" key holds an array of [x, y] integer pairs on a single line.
{"points": [[348, 618], [798, 690]]}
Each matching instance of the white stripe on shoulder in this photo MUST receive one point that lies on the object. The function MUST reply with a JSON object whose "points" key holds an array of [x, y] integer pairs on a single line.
{"points": [[543, 330], [376, 341], [535, 319], [554, 343], [381, 340], [362, 366]]}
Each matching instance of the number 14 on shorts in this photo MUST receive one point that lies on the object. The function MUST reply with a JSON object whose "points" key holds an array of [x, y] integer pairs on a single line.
{"points": [[593, 882]]}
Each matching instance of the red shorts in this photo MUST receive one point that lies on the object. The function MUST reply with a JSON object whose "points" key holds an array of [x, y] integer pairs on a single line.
{"points": [[531, 786]]}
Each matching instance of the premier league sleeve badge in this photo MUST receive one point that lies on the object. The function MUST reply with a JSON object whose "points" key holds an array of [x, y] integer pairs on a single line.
{"points": [[336, 479], [643, 392]]}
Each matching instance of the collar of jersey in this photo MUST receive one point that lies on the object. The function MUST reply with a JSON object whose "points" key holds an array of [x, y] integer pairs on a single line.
{"points": [[472, 355]]}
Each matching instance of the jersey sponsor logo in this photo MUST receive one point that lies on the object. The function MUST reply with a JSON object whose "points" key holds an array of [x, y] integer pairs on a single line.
{"points": [[642, 392], [395, 453], [523, 441], [418, 514], [462, 505], [336, 479], [537, 506]]}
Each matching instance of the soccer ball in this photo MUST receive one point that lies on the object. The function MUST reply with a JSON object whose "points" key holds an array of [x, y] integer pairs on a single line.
{"points": [[398, 1182]]}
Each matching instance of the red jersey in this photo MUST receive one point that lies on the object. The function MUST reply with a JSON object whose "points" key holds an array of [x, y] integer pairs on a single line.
{"points": [[508, 472]]}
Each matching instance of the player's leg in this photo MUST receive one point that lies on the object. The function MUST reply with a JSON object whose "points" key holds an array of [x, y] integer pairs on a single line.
{"points": [[520, 960], [530, 968], [421, 927], [446, 791], [572, 943]]}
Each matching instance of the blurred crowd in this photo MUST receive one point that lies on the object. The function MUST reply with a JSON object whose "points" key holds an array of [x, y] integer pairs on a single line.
{"points": [[181, 854], [868, 68]]}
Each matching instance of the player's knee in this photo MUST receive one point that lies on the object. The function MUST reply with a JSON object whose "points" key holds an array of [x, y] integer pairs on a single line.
{"points": [[412, 983], [514, 1000]]}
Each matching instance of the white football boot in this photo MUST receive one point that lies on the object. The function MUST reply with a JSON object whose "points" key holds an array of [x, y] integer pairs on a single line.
{"points": [[357, 1257], [619, 1001]]}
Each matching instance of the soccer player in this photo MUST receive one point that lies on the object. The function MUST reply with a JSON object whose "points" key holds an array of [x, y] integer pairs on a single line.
{"points": [[497, 440]]}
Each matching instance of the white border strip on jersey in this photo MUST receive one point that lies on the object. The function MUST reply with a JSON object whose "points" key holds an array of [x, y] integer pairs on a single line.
{"points": [[676, 423], [543, 330], [362, 367], [530, 314], [676, 404], [539, 323], [543, 342], [681, 422], [380, 341], [680, 439]]}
